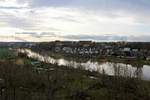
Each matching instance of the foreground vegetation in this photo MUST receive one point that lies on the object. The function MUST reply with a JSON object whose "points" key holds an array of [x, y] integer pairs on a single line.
{"points": [[53, 82]]}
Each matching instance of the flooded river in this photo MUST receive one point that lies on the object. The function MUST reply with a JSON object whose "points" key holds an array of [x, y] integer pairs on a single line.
{"points": [[108, 68]]}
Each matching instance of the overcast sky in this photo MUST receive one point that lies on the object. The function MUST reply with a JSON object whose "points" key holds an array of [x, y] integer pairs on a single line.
{"points": [[47, 20]]}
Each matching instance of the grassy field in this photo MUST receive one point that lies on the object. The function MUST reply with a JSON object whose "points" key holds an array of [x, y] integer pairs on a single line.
{"points": [[5, 53]]}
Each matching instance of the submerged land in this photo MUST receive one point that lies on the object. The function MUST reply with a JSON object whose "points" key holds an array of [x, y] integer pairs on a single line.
{"points": [[24, 77]]}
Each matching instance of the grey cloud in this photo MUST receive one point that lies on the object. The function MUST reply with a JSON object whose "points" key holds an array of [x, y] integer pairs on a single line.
{"points": [[100, 38], [96, 37], [21, 22], [140, 9], [67, 18], [143, 38], [26, 33], [20, 39], [77, 37], [95, 4], [12, 7], [48, 34], [37, 34], [106, 38]]}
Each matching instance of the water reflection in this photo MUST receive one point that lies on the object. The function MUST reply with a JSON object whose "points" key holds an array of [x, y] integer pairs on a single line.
{"points": [[109, 68]]}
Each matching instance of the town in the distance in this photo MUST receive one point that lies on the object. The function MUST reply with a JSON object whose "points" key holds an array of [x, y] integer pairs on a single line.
{"points": [[125, 50]]}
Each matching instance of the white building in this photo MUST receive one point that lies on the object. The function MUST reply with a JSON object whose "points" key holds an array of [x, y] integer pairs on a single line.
{"points": [[126, 49]]}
